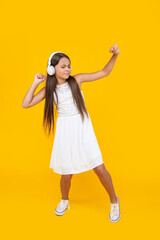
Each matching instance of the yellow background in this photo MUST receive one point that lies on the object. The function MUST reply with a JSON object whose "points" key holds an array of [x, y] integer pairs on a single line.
{"points": [[124, 109]]}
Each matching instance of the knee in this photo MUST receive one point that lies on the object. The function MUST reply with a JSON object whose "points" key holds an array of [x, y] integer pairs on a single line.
{"points": [[99, 169]]}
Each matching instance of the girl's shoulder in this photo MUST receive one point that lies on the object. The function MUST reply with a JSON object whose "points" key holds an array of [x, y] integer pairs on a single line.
{"points": [[77, 80]]}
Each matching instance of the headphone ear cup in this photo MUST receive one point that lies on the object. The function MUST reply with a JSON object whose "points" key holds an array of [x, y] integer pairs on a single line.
{"points": [[50, 70]]}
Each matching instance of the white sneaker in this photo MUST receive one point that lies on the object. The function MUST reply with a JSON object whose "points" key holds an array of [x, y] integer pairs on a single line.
{"points": [[61, 207], [114, 215]]}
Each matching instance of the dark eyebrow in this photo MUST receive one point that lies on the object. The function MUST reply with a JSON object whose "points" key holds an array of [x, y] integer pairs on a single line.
{"points": [[65, 65]]}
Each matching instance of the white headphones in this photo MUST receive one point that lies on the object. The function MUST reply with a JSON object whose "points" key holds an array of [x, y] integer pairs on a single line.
{"points": [[50, 68]]}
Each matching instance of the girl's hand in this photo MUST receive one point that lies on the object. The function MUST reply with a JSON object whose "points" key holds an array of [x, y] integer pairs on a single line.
{"points": [[114, 49], [39, 77]]}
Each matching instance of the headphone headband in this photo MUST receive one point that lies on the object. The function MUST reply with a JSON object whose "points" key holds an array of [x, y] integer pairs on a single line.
{"points": [[50, 57]]}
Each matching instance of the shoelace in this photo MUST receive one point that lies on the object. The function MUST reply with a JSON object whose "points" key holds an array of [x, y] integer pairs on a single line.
{"points": [[114, 210]]}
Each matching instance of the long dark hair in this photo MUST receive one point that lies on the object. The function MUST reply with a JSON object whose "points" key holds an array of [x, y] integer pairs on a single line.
{"points": [[50, 88]]}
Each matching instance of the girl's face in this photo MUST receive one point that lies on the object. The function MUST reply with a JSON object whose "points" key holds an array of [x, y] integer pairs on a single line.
{"points": [[63, 68]]}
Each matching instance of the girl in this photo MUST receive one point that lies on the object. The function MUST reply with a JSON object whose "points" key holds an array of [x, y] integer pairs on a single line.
{"points": [[75, 147]]}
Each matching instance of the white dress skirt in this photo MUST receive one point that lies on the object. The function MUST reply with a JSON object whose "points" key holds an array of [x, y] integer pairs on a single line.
{"points": [[75, 147]]}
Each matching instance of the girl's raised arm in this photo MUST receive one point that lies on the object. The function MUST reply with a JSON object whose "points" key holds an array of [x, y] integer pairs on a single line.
{"points": [[30, 99], [88, 77]]}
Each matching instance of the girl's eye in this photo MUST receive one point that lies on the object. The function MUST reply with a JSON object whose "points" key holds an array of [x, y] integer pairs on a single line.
{"points": [[64, 67]]}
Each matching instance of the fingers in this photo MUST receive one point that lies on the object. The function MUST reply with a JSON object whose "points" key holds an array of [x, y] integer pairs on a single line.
{"points": [[41, 76], [114, 49]]}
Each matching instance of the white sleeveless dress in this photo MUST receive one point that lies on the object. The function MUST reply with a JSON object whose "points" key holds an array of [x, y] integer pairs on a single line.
{"points": [[75, 147]]}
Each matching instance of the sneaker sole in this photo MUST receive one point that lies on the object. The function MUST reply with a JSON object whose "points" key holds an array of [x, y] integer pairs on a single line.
{"points": [[114, 220], [59, 213]]}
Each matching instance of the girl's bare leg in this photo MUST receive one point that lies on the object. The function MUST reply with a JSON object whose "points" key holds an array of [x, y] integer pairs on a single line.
{"points": [[106, 181], [65, 184]]}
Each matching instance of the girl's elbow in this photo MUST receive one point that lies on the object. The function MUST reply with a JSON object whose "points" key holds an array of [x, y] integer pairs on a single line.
{"points": [[24, 106]]}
